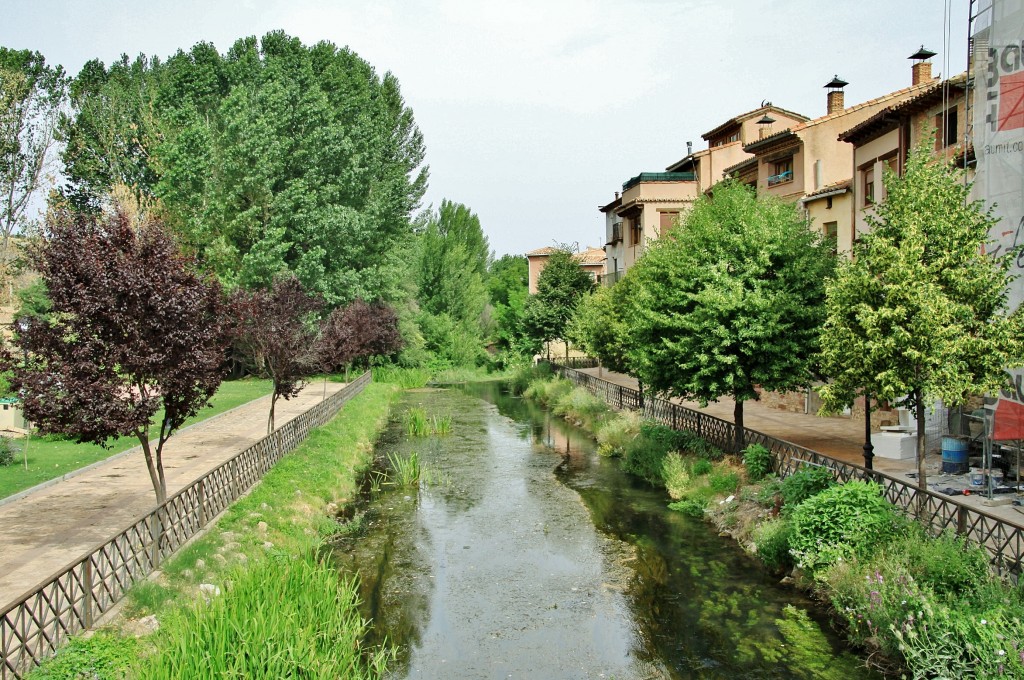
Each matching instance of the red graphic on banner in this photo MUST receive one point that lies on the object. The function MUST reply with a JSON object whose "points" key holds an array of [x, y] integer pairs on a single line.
{"points": [[1009, 420], [1011, 101]]}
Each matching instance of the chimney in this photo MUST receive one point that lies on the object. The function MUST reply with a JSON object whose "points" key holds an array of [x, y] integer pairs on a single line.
{"points": [[921, 70], [764, 126], [689, 148], [835, 95], [616, 195]]}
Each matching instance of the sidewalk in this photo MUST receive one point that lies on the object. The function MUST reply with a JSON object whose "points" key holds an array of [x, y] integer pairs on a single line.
{"points": [[45, 530], [838, 437]]}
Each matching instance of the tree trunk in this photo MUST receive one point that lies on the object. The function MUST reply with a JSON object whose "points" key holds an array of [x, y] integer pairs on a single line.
{"points": [[566, 352], [156, 476], [737, 417], [270, 420], [922, 482], [640, 393]]}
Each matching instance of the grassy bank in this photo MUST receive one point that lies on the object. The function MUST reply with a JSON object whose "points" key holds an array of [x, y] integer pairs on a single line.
{"points": [[255, 592], [918, 606], [51, 457]]}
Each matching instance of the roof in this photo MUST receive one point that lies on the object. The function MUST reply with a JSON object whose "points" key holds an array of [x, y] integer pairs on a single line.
{"points": [[777, 139], [761, 144], [833, 189], [588, 256], [759, 111], [611, 206], [742, 165], [888, 118]]}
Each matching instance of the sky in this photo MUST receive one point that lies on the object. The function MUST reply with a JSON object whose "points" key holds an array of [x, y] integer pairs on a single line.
{"points": [[535, 112]]}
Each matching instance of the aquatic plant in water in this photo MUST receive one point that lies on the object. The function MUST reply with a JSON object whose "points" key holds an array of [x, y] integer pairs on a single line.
{"points": [[406, 471], [416, 423]]}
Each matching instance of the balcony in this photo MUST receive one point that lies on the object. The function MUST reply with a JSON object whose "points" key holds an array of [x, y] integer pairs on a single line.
{"points": [[616, 234], [659, 177], [780, 178]]}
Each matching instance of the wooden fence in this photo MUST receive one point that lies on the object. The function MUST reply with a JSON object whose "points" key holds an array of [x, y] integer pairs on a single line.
{"points": [[41, 620], [1003, 539]]}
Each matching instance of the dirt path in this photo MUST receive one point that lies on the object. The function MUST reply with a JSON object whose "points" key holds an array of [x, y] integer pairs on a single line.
{"points": [[44, 531]]}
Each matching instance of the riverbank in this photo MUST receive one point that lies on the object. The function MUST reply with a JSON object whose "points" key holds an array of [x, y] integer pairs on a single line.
{"points": [[284, 519], [913, 603]]}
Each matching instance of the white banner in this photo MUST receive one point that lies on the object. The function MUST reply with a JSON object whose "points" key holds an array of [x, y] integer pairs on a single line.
{"points": [[998, 34]]}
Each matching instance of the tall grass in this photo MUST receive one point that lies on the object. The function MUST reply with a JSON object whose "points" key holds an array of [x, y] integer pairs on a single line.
{"points": [[617, 432], [442, 424], [416, 422], [406, 470], [406, 378], [282, 618], [548, 392], [581, 407]]}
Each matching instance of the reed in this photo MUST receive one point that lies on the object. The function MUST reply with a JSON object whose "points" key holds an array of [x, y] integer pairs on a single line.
{"points": [[416, 423], [442, 424], [406, 471]]}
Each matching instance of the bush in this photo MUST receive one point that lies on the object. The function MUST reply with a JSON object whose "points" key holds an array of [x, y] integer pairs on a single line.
{"points": [[723, 480], [549, 391], [6, 451], [669, 439], [100, 657], [771, 540], [701, 467], [808, 481], [690, 506], [677, 475], [948, 564], [645, 458], [691, 443], [840, 522], [758, 461], [524, 375], [617, 432], [580, 406]]}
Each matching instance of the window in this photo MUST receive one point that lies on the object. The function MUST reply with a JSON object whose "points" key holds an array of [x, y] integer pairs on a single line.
{"points": [[635, 232], [666, 220], [868, 180], [783, 172], [828, 205], [831, 232], [946, 129]]}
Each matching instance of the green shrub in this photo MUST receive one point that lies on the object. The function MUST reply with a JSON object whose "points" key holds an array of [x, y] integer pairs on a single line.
{"points": [[723, 480], [547, 392], [677, 475], [524, 375], [771, 540], [645, 458], [769, 493], [840, 522], [6, 451], [100, 657], [691, 443], [691, 506], [758, 461], [948, 564], [808, 481], [580, 406], [615, 434], [701, 467], [666, 437]]}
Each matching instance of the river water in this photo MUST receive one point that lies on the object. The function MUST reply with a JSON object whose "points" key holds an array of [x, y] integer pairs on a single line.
{"points": [[524, 554]]}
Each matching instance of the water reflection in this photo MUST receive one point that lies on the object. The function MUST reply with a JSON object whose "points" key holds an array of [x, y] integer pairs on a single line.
{"points": [[497, 567]]}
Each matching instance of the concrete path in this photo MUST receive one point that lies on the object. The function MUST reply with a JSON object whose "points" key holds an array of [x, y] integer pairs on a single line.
{"points": [[838, 437], [47, 529]]}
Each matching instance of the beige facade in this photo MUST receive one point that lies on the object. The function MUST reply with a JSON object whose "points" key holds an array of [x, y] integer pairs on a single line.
{"points": [[935, 118], [592, 261]]}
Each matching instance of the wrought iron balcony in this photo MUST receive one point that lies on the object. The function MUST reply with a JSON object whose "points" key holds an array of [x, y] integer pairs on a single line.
{"points": [[780, 178]]}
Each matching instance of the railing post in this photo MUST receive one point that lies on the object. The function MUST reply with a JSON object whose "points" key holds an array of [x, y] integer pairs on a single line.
{"points": [[87, 595], [234, 478], [202, 502], [675, 412], [961, 520], [155, 534]]}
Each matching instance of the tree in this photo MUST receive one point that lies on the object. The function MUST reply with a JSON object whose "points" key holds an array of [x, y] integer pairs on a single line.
{"points": [[32, 95], [730, 301], [598, 325], [131, 329], [560, 287], [358, 330], [276, 332], [508, 287], [920, 313], [451, 283]]}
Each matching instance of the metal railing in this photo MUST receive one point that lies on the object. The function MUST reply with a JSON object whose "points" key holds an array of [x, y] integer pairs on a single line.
{"points": [[1003, 539], [37, 623], [780, 178]]}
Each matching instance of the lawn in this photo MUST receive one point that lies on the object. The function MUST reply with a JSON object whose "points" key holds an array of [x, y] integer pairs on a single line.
{"points": [[51, 457]]}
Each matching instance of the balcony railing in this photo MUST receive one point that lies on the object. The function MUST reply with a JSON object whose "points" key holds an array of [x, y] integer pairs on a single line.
{"points": [[659, 177], [780, 178], [616, 234]]}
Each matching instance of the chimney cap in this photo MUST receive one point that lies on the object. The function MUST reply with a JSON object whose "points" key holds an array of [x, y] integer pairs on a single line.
{"points": [[837, 82], [766, 120], [922, 54]]}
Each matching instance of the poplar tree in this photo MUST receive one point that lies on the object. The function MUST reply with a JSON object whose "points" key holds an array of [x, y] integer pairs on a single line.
{"points": [[920, 312], [730, 301]]}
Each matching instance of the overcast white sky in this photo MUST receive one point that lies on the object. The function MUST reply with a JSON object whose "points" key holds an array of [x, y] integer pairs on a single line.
{"points": [[535, 111]]}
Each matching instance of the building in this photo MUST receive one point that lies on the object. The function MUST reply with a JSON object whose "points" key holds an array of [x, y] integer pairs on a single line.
{"points": [[592, 260], [651, 202], [807, 163], [936, 117]]}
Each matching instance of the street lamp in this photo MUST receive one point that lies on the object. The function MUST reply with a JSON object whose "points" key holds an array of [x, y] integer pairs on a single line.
{"points": [[22, 325], [869, 449]]}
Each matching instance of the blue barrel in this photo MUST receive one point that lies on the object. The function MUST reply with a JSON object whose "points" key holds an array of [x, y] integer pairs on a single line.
{"points": [[954, 454]]}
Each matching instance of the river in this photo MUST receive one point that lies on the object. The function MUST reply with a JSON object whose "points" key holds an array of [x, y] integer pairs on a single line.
{"points": [[524, 554]]}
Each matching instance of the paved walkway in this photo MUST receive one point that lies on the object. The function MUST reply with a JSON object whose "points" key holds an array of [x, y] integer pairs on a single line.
{"points": [[838, 437], [44, 531]]}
